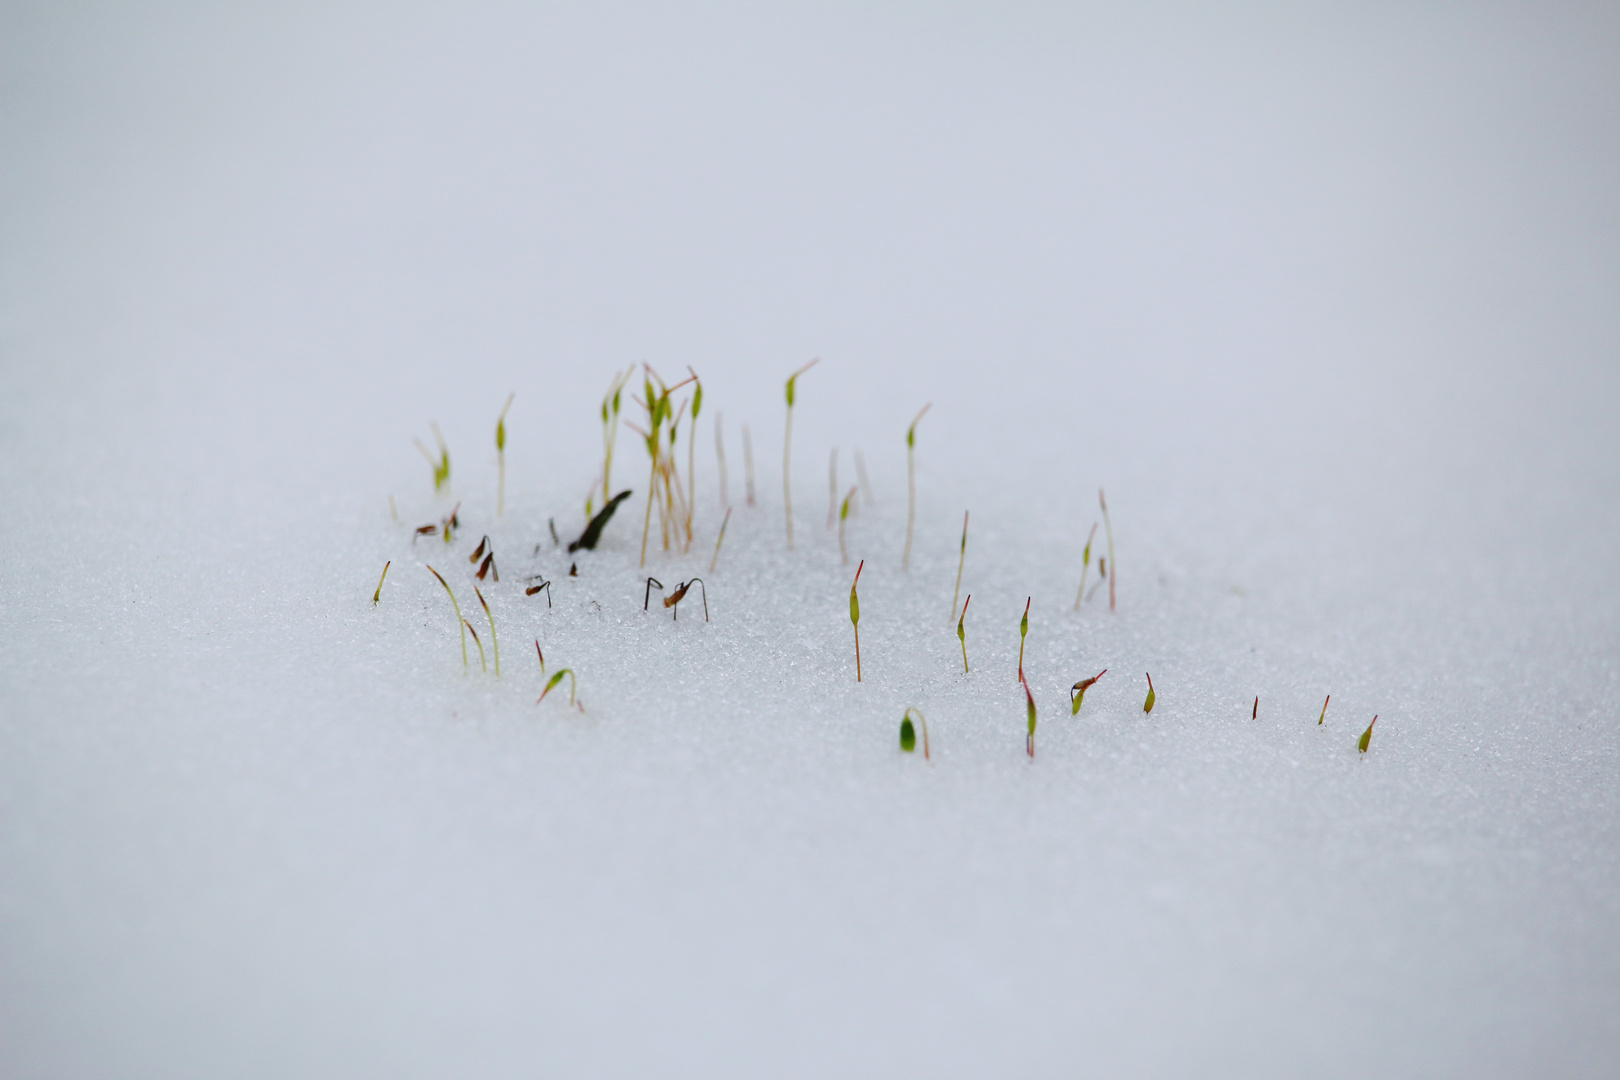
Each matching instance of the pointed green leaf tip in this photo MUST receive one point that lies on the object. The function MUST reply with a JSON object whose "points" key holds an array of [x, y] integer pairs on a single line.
{"points": [[1030, 706], [500, 435], [1147, 706], [908, 735], [790, 391], [697, 400], [1366, 737], [555, 679], [1023, 624], [854, 607]]}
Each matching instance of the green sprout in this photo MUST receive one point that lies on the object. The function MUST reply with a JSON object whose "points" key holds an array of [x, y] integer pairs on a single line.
{"points": [[911, 485], [500, 455], [1085, 566], [480, 644], [843, 516], [787, 447], [961, 561], [1113, 567], [1366, 737], [1029, 707], [908, 734], [1147, 706], [691, 459], [961, 635], [441, 467], [719, 539], [855, 617], [541, 655], [551, 684], [495, 642], [460, 622], [1077, 692], [610, 429], [663, 484], [1319, 719], [1023, 632], [378, 594], [593, 531]]}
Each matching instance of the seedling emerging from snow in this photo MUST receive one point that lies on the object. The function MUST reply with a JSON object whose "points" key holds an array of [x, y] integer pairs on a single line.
{"points": [[1023, 632], [691, 456], [500, 458], [855, 617], [1085, 565], [448, 527], [787, 448], [489, 565], [425, 530], [719, 539], [1366, 737], [1147, 706], [481, 662], [1255, 715], [961, 634], [378, 594], [961, 561], [673, 599], [843, 516], [441, 467], [495, 642], [908, 734], [1077, 692], [593, 531], [1109, 528], [911, 485], [573, 686], [532, 589], [556, 541], [460, 622], [646, 597], [1319, 719], [478, 552], [1029, 706], [541, 655], [610, 429]]}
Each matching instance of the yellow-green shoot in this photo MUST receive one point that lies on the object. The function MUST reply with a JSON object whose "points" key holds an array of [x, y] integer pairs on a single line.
{"points": [[691, 456], [378, 594], [482, 663], [843, 516], [1023, 632], [495, 642], [855, 616], [911, 486], [1029, 707], [1077, 692], [460, 622], [720, 539], [441, 466], [961, 561], [1147, 706], [961, 634], [557, 677], [1085, 565], [1323, 717], [787, 450], [1113, 567], [610, 429], [500, 457], [908, 734], [1366, 737]]}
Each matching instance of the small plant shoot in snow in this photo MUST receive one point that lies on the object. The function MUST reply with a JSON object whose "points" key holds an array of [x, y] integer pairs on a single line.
{"points": [[495, 642], [911, 485], [1323, 717], [378, 594], [1077, 692], [720, 539], [961, 561], [787, 451], [843, 516], [961, 634], [1366, 737], [1029, 706], [460, 622], [441, 465], [1147, 706], [557, 677], [908, 734], [593, 531], [855, 616], [1255, 715], [1085, 565], [482, 663], [500, 457], [1023, 632]]}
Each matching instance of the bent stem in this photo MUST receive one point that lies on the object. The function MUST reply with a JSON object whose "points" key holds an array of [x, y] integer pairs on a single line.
{"points": [[1319, 719], [1077, 692], [787, 448], [720, 539], [480, 644], [908, 734], [378, 594], [573, 685], [1085, 566], [911, 485], [961, 561], [459, 620], [1147, 706], [1113, 567], [495, 642], [855, 617], [961, 634], [1023, 632]]}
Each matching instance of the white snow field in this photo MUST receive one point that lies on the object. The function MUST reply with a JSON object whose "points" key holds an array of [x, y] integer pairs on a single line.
{"points": [[1327, 299]]}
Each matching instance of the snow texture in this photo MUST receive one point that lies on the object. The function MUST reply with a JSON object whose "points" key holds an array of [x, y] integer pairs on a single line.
{"points": [[1327, 301]]}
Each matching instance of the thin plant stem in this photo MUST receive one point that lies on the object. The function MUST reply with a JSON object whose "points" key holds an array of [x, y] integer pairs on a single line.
{"points": [[500, 458], [646, 525], [960, 562], [961, 634], [1113, 567], [719, 539], [378, 594], [1023, 632], [911, 486], [855, 617], [843, 516], [787, 448], [460, 622], [1085, 566], [482, 663], [495, 642], [1323, 717]]}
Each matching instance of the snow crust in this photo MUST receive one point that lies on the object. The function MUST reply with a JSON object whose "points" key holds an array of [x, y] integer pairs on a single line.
{"points": [[1327, 305]]}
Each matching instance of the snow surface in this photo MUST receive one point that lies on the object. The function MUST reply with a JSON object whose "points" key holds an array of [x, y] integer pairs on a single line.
{"points": [[1326, 301]]}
